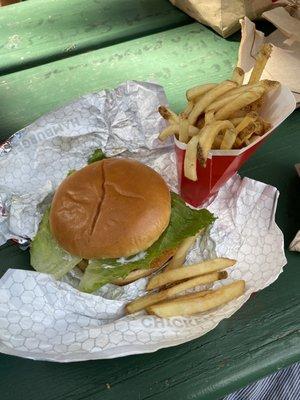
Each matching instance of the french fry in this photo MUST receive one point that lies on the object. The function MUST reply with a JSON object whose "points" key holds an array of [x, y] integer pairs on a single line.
{"points": [[267, 126], [261, 60], [253, 139], [197, 91], [259, 127], [238, 103], [269, 85], [235, 91], [216, 105], [169, 131], [183, 130], [149, 299], [238, 75], [196, 305], [209, 117], [255, 106], [240, 90], [239, 114], [188, 108], [196, 99], [248, 131], [180, 255], [168, 115], [207, 137], [190, 159], [238, 144], [193, 295], [208, 98], [250, 117], [193, 131], [228, 139], [244, 135], [190, 271], [236, 121], [217, 142], [262, 126], [135, 275], [174, 130]]}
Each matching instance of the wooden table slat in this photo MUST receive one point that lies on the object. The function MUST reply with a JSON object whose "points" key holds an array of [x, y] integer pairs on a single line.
{"points": [[38, 31], [177, 59]]}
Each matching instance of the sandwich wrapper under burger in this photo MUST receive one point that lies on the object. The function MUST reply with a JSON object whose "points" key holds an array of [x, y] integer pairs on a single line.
{"points": [[43, 318]]}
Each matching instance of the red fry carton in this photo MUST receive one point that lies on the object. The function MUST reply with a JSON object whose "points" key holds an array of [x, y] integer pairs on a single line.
{"points": [[223, 164]]}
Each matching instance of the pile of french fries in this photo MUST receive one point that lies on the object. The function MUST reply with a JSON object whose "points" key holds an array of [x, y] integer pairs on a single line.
{"points": [[167, 297], [221, 116]]}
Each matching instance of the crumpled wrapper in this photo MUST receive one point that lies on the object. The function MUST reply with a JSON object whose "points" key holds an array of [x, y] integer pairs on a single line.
{"points": [[45, 319]]}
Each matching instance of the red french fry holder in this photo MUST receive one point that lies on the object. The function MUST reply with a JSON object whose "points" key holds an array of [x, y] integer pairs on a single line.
{"points": [[221, 165]]}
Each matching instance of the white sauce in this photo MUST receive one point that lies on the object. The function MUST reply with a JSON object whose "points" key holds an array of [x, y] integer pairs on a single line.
{"points": [[137, 257]]}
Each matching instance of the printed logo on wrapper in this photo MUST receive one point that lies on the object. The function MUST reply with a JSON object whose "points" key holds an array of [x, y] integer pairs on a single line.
{"points": [[44, 134], [175, 322], [223, 164]]}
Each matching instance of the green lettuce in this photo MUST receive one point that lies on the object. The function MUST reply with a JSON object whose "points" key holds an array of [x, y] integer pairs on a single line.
{"points": [[46, 255], [184, 222], [97, 155]]}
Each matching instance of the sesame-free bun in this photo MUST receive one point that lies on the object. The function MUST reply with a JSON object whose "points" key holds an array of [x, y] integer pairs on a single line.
{"points": [[109, 209]]}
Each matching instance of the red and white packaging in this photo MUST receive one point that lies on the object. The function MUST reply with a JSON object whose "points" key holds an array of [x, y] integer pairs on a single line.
{"points": [[223, 164]]}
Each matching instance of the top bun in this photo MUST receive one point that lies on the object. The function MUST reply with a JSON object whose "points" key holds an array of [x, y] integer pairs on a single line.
{"points": [[109, 209]]}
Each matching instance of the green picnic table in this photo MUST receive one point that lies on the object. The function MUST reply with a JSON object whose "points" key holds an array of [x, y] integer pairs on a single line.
{"points": [[52, 51]]}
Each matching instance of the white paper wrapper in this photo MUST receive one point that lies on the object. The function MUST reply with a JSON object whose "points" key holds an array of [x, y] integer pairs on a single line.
{"points": [[44, 319], [284, 63]]}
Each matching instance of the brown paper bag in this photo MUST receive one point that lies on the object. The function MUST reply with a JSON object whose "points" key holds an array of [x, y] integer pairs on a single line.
{"points": [[7, 2], [223, 15]]}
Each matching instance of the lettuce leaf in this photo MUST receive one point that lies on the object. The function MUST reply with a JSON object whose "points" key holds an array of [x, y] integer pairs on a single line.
{"points": [[184, 222], [46, 255], [97, 155]]}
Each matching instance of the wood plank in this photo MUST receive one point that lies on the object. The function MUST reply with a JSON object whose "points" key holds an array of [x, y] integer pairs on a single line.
{"points": [[13, 257], [39, 31], [177, 58]]}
